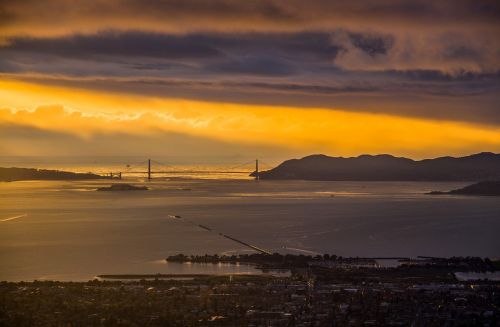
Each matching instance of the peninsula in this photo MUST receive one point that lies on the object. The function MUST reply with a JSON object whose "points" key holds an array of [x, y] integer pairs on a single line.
{"points": [[22, 174], [384, 167], [488, 188]]}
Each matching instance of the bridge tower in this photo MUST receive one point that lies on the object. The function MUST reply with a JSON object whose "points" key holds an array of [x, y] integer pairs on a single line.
{"points": [[257, 169], [149, 169]]}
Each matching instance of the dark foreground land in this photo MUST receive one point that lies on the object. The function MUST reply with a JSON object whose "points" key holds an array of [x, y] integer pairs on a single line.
{"points": [[319, 295]]}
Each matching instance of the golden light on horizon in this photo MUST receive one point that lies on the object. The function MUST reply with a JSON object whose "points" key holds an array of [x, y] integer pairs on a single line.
{"points": [[87, 112]]}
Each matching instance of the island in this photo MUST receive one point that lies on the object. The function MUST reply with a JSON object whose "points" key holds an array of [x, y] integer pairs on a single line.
{"points": [[384, 167], [22, 174], [487, 188], [123, 187]]}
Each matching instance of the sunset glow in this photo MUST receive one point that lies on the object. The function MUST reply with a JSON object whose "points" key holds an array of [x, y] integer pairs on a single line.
{"points": [[86, 113]]}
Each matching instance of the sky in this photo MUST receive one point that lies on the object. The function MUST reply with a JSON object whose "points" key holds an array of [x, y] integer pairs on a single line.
{"points": [[257, 78]]}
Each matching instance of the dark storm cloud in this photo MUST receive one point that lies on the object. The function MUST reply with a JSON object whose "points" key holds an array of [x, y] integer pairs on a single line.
{"points": [[419, 58], [133, 44], [182, 15], [260, 86], [439, 76], [272, 54], [372, 44], [304, 88], [254, 65], [145, 44], [259, 36]]}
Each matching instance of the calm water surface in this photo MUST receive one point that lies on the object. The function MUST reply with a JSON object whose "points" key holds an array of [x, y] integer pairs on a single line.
{"points": [[68, 231]]}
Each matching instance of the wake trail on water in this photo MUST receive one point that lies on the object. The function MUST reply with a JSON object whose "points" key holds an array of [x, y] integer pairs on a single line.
{"points": [[12, 218], [209, 229], [300, 250]]}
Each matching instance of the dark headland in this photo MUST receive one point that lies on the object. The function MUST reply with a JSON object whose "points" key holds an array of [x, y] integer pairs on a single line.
{"points": [[384, 167], [487, 188], [23, 174]]}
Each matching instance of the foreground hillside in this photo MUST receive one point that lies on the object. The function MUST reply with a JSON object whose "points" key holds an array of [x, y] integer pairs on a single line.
{"points": [[481, 166]]}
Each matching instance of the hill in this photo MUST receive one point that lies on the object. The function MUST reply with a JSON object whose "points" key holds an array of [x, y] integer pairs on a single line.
{"points": [[481, 166], [21, 174]]}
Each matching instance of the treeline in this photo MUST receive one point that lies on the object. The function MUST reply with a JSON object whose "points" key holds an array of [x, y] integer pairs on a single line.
{"points": [[258, 258]]}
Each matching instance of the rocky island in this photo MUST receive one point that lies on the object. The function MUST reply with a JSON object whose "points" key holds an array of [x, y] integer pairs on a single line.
{"points": [[488, 188], [23, 174], [384, 167], [123, 187]]}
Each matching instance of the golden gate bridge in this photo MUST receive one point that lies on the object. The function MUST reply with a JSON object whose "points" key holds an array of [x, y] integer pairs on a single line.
{"points": [[152, 167]]}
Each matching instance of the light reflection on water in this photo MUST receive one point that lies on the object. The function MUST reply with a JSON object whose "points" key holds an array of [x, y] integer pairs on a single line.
{"points": [[72, 232]]}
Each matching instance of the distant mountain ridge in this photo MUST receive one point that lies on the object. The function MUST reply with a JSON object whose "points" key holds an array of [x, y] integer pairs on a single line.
{"points": [[384, 167]]}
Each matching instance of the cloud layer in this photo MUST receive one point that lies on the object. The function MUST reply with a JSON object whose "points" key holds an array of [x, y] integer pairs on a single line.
{"points": [[432, 61], [257, 15], [451, 36]]}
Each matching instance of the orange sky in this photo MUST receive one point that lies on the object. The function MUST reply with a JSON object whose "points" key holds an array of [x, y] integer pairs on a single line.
{"points": [[85, 113]]}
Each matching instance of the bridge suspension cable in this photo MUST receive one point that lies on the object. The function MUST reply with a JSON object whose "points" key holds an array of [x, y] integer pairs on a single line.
{"points": [[135, 165], [163, 168]]}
